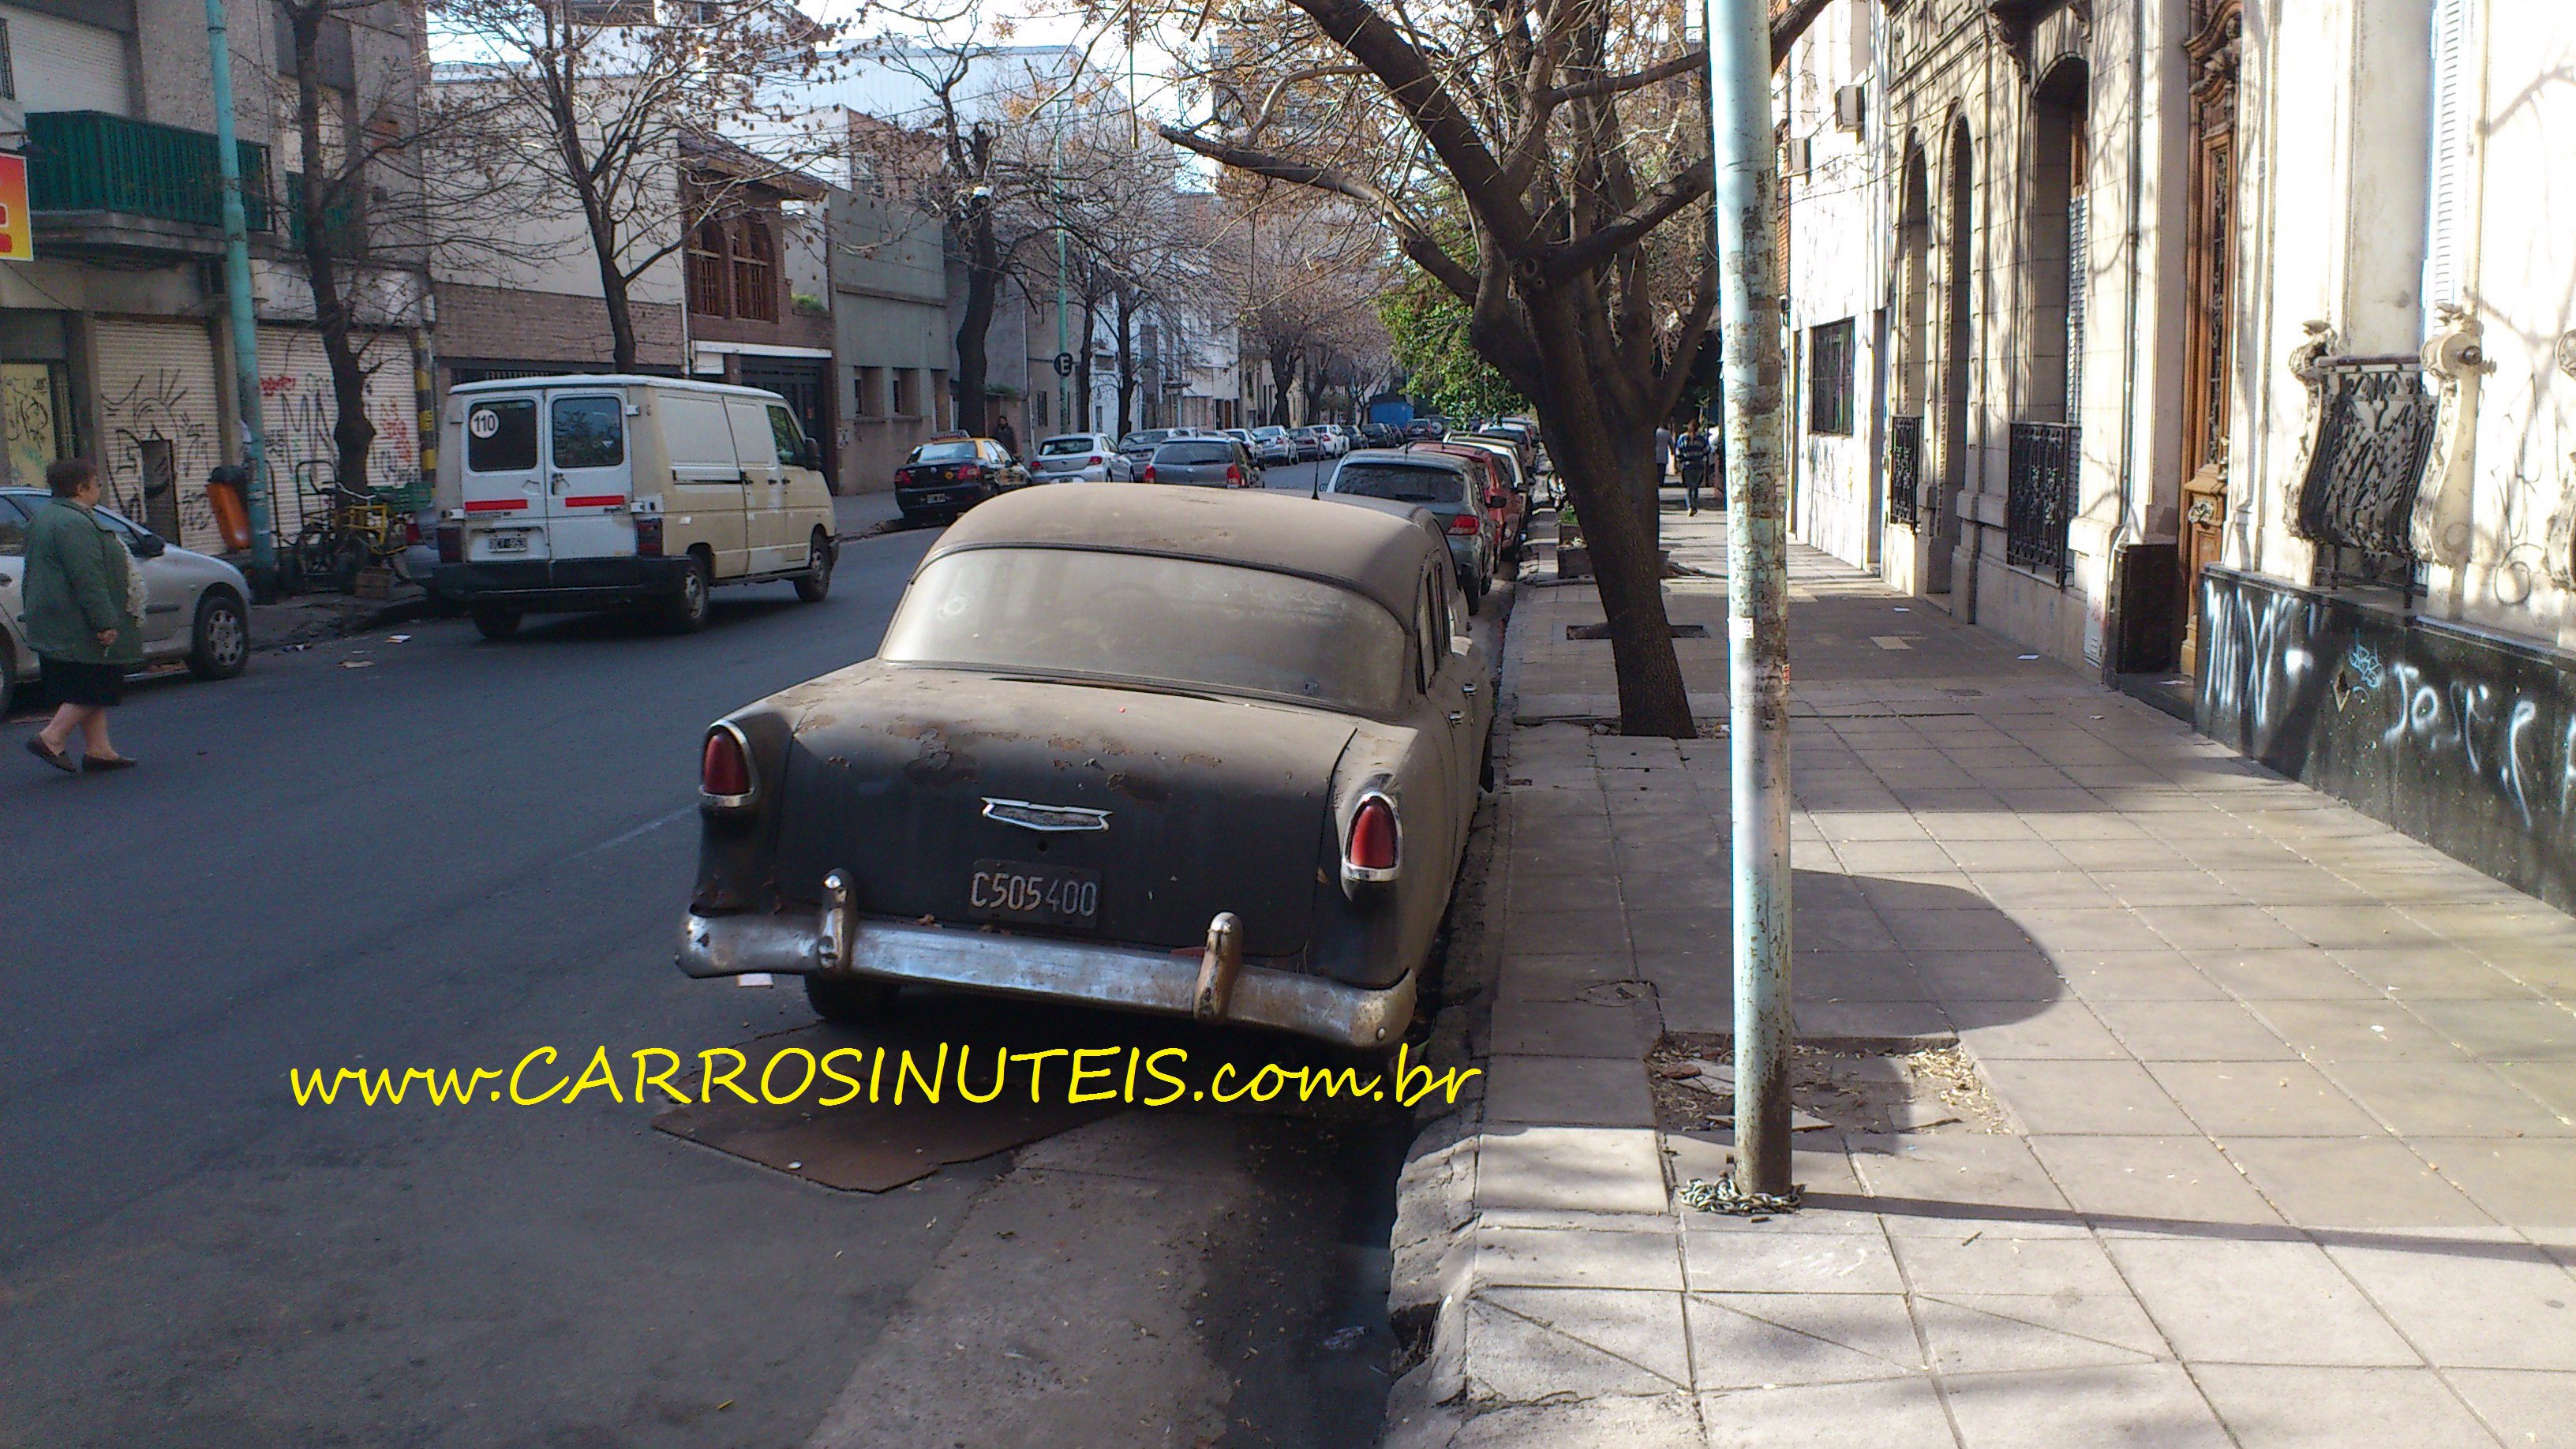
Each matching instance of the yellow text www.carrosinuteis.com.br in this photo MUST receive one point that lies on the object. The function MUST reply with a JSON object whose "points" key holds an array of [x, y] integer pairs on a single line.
{"points": [[848, 1075]]}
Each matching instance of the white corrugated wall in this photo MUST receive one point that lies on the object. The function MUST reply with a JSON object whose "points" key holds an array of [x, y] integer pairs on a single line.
{"points": [[158, 400]]}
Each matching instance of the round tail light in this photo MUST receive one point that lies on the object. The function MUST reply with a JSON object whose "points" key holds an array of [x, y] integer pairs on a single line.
{"points": [[724, 771]]}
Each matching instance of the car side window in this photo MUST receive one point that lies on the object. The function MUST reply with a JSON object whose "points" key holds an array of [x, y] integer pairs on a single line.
{"points": [[13, 530], [791, 438], [1443, 622], [1429, 645]]}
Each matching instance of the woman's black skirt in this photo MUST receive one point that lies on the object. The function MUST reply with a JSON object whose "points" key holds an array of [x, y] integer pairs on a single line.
{"points": [[73, 682]]}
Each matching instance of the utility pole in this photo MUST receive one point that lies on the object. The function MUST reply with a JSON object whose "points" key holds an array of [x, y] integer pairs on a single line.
{"points": [[245, 321], [1757, 596]]}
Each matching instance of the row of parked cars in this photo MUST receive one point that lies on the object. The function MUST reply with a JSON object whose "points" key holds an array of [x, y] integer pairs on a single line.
{"points": [[1476, 485], [950, 474]]}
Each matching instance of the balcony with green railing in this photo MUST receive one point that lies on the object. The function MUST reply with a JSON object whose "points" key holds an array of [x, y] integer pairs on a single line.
{"points": [[118, 167], [344, 222]]}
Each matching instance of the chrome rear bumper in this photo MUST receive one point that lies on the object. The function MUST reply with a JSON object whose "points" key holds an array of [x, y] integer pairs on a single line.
{"points": [[1211, 984]]}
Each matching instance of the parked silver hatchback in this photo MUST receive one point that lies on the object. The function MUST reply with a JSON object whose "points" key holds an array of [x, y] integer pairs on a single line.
{"points": [[198, 607]]}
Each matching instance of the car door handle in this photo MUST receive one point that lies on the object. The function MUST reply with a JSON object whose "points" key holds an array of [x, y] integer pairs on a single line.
{"points": [[1457, 715], [1469, 687]]}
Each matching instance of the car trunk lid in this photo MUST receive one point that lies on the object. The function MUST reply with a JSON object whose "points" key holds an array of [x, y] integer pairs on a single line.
{"points": [[1207, 804]]}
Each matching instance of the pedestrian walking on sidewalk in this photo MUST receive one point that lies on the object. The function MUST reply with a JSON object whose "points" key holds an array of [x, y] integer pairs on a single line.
{"points": [[84, 601], [1005, 435], [1691, 454]]}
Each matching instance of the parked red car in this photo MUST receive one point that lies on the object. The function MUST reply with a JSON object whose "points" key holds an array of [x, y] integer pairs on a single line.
{"points": [[1506, 506]]}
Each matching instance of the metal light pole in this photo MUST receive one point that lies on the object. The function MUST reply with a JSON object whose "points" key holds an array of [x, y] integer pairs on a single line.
{"points": [[1757, 576], [245, 321]]}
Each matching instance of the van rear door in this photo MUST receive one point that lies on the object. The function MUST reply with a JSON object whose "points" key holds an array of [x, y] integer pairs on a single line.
{"points": [[704, 504], [589, 476], [502, 484]]}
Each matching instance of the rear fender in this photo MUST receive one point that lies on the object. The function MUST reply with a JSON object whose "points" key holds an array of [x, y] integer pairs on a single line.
{"points": [[738, 844], [1361, 931]]}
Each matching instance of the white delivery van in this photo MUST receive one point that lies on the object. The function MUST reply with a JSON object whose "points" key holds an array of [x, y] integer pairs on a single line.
{"points": [[617, 491]]}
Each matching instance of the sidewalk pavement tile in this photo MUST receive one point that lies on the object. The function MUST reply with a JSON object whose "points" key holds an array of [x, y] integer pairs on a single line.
{"points": [[2348, 1031], [2468, 1298], [2352, 926], [2525, 1182], [1854, 975], [1981, 1260], [1537, 1343], [1988, 976], [2142, 1404], [2373, 1182], [2116, 1097], [2157, 975], [1558, 978], [1790, 1262], [2336, 1408], [1665, 1422], [2503, 1031], [2301, 973], [2257, 1302], [2192, 1031], [2138, 1183], [2116, 928], [2554, 1083], [1976, 1333], [2450, 1099], [2528, 1410], [2437, 972], [1956, 1183], [1533, 1257], [1956, 930], [2167, 888], [2054, 1030], [1702, 932], [1749, 1340], [1871, 1020], [2263, 1099], [1569, 1091], [1542, 932], [1898, 1414], [1580, 1028], [1891, 857], [1571, 1169]]}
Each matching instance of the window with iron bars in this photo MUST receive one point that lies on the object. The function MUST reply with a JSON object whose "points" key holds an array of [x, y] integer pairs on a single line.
{"points": [[1904, 469], [2039, 498]]}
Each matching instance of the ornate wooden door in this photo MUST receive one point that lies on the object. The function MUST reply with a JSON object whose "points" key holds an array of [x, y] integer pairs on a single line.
{"points": [[2210, 256]]}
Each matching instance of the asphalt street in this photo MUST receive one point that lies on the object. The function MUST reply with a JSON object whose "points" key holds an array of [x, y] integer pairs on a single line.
{"points": [[443, 852]]}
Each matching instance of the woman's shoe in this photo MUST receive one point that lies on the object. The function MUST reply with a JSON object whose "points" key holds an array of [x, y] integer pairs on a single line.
{"points": [[106, 764], [37, 747]]}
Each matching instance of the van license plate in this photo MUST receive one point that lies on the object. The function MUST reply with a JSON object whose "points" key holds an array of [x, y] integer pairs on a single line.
{"points": [[509, 543], [1044, 895]]}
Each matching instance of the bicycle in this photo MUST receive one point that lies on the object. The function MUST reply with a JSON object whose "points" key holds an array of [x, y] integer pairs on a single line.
{"points": [[354, 532]]}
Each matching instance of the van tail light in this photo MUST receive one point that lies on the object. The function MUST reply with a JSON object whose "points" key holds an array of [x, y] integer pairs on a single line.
{"points": [[648, 537], [1149, 472], [724, 767], [1376, 841], [451, 543], [1464, 523], [1233, 475], [411, 530]]}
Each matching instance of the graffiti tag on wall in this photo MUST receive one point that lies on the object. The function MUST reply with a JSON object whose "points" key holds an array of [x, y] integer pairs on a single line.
{"points": [[160, 406]]}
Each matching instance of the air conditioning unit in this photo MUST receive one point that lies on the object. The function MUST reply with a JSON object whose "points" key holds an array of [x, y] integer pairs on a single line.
{"points": [[1798, 156], [1851, 109]]}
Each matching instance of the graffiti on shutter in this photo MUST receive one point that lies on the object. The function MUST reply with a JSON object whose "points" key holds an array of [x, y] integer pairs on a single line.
{"points": [[160, 420], [299, 410]]}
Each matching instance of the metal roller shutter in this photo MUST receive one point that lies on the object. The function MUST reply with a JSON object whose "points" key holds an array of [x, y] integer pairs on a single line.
{"points": [[297, 409], [161, 426]]}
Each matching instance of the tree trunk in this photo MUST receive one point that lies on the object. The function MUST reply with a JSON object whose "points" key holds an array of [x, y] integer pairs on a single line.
{"points": [[1283, 377], [1126, 362], [352, 435], [1082, 360], [1602, 457], [983, 281]]}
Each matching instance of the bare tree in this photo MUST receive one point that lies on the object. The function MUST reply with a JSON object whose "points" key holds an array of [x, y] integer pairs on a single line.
{"points": [[1569, 141], [606, 93]]}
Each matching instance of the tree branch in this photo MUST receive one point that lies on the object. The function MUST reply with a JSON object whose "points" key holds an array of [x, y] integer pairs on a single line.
{"points": [[1610, 85], [1418, 244], [1660, 205]]}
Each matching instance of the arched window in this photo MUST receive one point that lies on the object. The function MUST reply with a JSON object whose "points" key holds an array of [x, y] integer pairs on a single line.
{"points": [[707, 268], [2057, 246]]}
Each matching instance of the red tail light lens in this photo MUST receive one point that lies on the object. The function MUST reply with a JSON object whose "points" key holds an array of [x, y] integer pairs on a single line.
{"points": [[411, 530], [971, 470], [648, 538], [1234, 475], [723, 769], [1373, 836], [451, 543], [1149, 472], [1096, 460], [1463, 523]]}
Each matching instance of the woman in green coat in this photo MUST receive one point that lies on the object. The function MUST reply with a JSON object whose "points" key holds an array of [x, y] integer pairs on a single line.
{"points": [[82, 618]]}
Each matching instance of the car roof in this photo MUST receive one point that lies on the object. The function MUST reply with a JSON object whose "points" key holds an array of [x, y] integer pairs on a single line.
{"points": [[1375, 553], [609, 379], [1420, 457]]}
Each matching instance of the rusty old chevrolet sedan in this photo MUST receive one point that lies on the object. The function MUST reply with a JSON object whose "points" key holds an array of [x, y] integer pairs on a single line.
{"points": [[1211, 754]]}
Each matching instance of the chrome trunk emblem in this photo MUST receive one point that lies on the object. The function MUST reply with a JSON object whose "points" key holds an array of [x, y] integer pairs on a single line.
{"points": [[1051, 819]]}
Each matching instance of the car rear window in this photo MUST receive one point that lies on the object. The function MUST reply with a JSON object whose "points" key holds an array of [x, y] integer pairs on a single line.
{"points": [[1401, 482], [1194, 452], [501, 437], [1068, 613], [1064, 447], [1144, 440], [944, 453]]}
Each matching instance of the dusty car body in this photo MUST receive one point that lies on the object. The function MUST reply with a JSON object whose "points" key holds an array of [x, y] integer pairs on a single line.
{"points": [[1199, 752]]}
